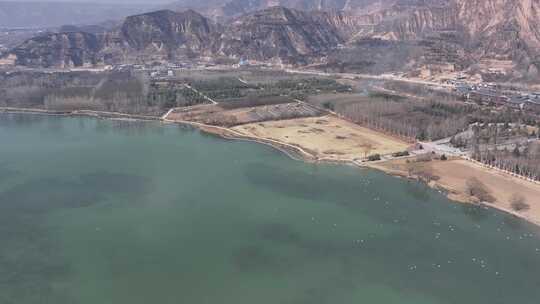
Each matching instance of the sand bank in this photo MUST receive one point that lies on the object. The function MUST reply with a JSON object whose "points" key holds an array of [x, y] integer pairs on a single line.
{"points": [[452, 176]]}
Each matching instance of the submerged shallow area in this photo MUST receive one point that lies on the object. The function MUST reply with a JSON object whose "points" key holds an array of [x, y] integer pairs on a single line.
{"points": [[100, 211]]}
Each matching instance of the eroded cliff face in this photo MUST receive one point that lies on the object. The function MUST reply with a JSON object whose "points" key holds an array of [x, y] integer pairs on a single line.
{"points": [[511, 31], [278, 32], [406, 20], [166, 32], [476, 29], [412, 22], [59, 50]]}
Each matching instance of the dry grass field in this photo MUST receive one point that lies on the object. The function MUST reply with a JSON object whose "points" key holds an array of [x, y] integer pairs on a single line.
{"points": [[220, 115], [327, 137]]}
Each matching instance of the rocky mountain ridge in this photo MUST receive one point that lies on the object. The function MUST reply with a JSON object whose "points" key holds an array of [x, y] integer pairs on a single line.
{"points": [[458, 33], [68, 49], [166, 32], [276, 33], [285, 34]]}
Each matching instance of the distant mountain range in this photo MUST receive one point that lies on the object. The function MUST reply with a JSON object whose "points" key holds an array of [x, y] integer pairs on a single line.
{"points": [[220, 10], [432, 34], [16, 14], [52, 14]]}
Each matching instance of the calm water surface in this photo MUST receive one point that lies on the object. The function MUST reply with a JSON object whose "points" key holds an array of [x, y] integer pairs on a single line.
{"points": [[95, 211]]}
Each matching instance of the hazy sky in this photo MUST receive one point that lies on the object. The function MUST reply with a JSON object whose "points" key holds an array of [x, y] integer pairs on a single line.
{"points": [[150, 2]]}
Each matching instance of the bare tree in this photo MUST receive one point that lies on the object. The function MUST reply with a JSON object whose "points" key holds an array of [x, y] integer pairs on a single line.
{"points": [[367, 148], [476, 188], [518, 203]]}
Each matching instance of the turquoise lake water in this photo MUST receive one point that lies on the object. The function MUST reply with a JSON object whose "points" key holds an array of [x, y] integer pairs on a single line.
{"points": [[109, 212]]}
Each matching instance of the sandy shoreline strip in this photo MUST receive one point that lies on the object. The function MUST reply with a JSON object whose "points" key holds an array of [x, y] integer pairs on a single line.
{"points": [[452, 173], [452, 179]]}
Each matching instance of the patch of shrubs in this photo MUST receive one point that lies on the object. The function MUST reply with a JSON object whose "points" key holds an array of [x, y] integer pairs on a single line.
{"points": [[374, 157], [328, 105], [476, 188], [401, 154], [518, 203]]}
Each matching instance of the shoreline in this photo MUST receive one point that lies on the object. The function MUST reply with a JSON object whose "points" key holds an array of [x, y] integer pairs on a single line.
{"points": [[292, 151], [84, 113]]}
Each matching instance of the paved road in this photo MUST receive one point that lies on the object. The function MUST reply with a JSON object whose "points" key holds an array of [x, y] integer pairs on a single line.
{"points": [[442, 146], [197, 91], [164, 117], [367, 76]]}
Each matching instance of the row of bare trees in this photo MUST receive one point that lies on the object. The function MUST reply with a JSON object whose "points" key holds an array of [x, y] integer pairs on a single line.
{"points": [[510, 147], [109, 91], [118, 102], [526, 163], [423, 120]]}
